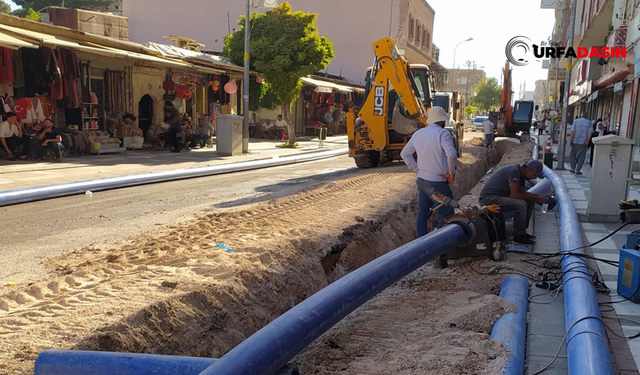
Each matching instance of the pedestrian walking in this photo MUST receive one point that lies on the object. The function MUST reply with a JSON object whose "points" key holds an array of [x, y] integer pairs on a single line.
{"points": [[488, 132], [581, 133], [436, 166]]}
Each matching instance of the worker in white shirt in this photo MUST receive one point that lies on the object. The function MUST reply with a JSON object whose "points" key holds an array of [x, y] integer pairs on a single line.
{"points": [[436, 165], [488, 132]]}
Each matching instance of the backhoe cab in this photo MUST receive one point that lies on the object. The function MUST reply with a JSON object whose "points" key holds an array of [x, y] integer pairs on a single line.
{"points": [[397, 96], [512, 119]]}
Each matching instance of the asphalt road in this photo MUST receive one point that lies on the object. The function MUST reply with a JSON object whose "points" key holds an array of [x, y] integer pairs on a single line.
{"points": [[35, 232]]}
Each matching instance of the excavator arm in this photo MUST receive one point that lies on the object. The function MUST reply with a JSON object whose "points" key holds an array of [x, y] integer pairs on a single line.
{"points": [[391, 75]]}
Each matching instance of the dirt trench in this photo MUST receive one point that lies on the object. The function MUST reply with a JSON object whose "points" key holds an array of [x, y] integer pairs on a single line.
{"points": [[179, 293]]}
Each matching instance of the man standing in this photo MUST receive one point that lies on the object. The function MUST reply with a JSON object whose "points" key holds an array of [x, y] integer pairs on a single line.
{"points": [[436, 165], [337, 114], [488, 131], [506, 189], [581, 132]]}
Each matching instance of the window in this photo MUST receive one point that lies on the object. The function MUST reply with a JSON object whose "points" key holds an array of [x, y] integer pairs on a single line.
{"points": [[411, 27], [463, 80], [418, 34], [424, 37], [428, 40]]}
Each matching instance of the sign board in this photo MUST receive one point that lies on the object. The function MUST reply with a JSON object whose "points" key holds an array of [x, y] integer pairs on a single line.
{"points": [[617, 87], [550, 4]]}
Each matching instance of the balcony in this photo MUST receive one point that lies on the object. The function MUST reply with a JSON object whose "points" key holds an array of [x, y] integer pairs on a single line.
{"points": [[595, 22], [618, 38]]}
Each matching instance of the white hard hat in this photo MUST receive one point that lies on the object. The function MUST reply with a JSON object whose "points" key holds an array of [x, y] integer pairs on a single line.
{"points": [[437, 114]]}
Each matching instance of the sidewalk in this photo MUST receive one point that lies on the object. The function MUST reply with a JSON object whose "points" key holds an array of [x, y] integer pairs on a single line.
{"points": [[26, 174], [621, 317]]}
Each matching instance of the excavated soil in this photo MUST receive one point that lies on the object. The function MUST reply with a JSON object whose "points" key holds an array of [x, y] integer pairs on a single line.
{"points": [[177, 292]]}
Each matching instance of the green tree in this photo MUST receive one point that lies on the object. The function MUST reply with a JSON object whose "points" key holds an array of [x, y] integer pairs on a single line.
{"points": [[469, 110], [38, 5], [487, 94], [284, 47], [4, 7], [32, 15]]}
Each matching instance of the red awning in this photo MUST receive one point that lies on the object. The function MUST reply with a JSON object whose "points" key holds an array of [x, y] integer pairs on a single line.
{"points": [[610, 79]]}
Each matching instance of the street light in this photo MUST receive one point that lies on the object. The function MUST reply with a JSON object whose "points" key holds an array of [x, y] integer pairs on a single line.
{"points": [[454, 58]]}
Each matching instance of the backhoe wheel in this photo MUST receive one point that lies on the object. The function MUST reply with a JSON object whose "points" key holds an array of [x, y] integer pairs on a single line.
{"points": [[368, 159]]}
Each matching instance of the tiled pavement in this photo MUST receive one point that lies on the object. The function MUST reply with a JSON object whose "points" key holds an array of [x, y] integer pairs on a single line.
{"points": [[621, 317], [612, 305]]}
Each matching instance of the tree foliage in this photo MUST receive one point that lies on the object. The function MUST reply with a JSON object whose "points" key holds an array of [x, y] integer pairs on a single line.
{"points": [[38, 5], [261, 96], [4, 7], [469, 110], [487, 94], [32, 15], [284, 47]]}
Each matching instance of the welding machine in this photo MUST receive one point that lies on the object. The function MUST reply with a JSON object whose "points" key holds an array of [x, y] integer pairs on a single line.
{"points": [[629, 268]]}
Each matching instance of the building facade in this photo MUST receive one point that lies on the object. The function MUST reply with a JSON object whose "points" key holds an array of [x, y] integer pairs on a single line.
{"points": [[465, 81], [208, 21]]}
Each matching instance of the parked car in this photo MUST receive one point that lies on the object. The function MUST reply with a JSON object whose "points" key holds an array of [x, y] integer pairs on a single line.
{"points": [[477, 123]]}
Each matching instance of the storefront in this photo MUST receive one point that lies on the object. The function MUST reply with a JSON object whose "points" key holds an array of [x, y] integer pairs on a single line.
{"points": [[320, 97]]}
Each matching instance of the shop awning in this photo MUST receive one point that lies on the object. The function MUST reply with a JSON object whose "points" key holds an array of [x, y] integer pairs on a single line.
{"points": [[610, 79], [53, 41], [324, 86], [198, 58], [8, 41], [155, 59]]}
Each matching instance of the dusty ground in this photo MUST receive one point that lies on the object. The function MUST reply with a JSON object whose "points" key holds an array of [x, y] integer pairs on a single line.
{"points": [[176, 292]]}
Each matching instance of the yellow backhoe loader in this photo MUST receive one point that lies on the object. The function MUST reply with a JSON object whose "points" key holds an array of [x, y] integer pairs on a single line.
{"points": [[397, 96]]}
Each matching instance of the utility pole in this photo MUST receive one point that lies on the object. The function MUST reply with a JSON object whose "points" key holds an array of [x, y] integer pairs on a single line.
{"points": [[391, 19], [567, 86], [245, 84]]}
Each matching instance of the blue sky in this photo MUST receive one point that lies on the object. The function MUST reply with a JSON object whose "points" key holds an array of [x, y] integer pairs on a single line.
{"points": [[491, 23], [11, 3]]}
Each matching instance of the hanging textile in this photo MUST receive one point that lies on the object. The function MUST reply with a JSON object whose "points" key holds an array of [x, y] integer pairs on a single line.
{"points": [[115, 97], [6, 66]]}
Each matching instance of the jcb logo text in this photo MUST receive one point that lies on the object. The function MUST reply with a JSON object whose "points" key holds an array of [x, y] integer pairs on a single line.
{"points": [[378, 101]]}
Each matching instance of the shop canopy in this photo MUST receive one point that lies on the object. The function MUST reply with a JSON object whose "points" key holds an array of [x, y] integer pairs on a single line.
{"points": [[11, 42], [327, 87], [52, 41], [170, 51]]}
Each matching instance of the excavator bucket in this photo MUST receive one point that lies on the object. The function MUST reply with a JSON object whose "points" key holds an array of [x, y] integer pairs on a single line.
{"points": [[401, 123]]}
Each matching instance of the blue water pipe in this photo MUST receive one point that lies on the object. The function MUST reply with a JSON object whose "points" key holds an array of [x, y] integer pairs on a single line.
{"points": [[18, 196], [274, 345], [268, 350], [67, 362], [586, 342], [511, 328]]}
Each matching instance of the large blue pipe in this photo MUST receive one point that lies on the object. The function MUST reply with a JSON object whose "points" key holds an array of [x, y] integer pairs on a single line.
{"points": [[11, 197], [587, 347], [273, 346], [511, 328], [66, 362]]}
